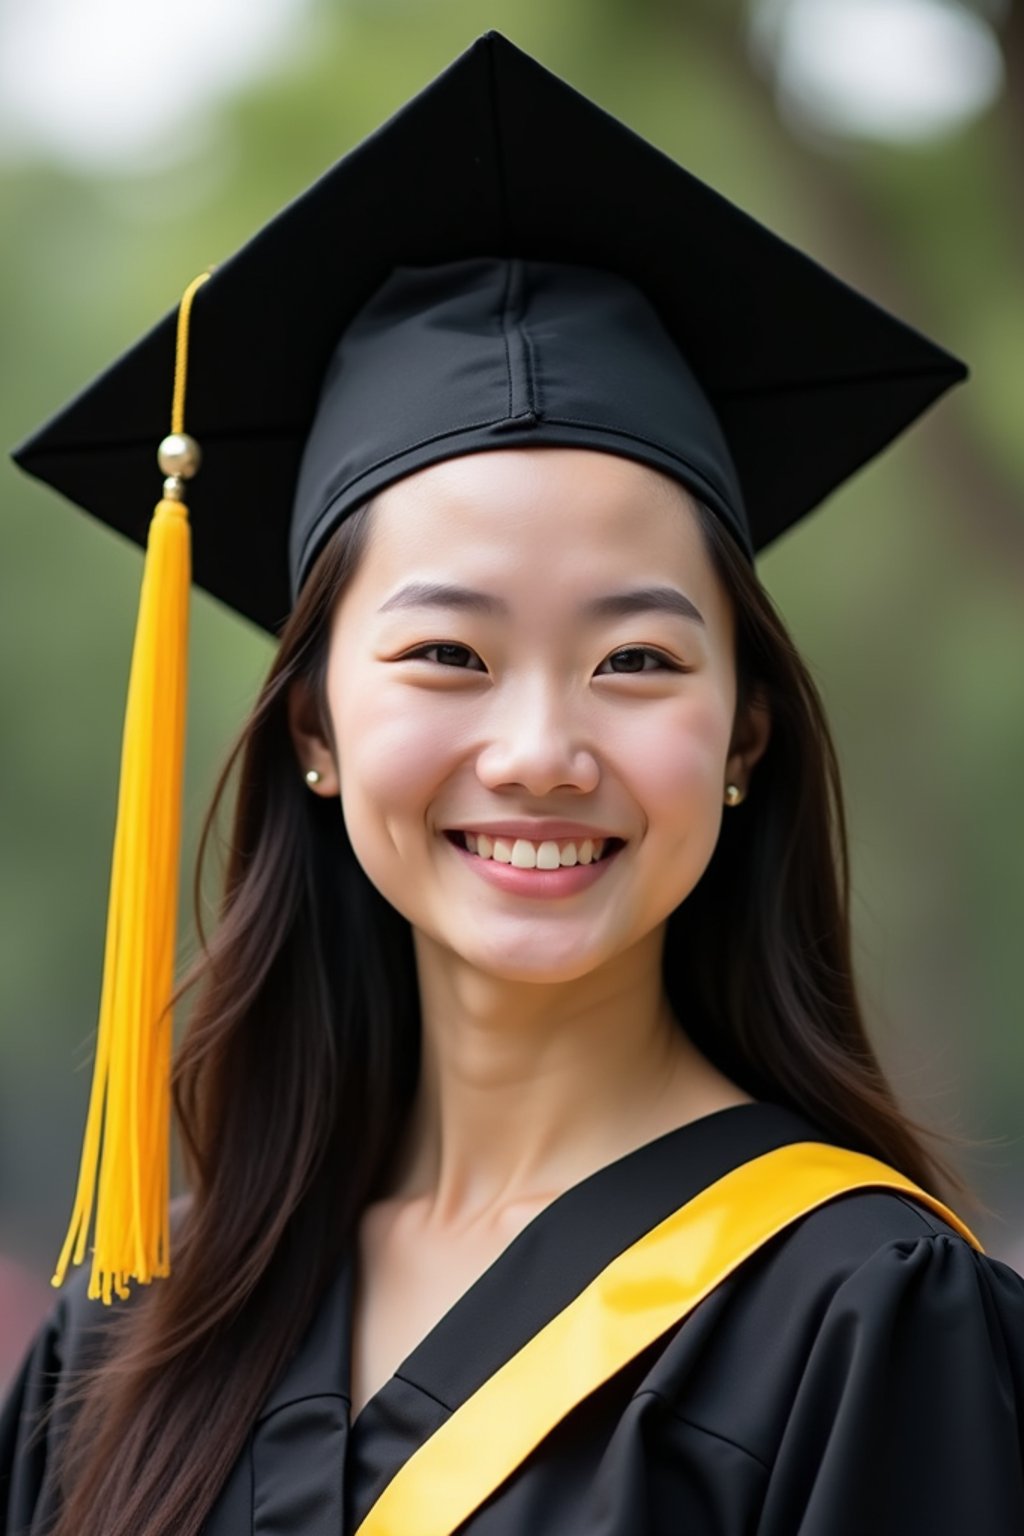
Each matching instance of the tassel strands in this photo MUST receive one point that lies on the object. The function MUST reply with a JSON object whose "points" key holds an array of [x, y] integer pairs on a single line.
{"points": [[124, 1174]]}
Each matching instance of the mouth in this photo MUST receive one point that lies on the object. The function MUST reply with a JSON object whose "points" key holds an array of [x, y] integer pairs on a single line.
{"points": [[610, 845]]}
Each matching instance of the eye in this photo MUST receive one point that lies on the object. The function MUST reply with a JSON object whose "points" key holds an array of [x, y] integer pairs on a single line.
{"points": [[445, 650], [635, 655], [448, 653]]}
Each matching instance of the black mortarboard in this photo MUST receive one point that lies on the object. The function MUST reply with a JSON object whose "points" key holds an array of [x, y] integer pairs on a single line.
{"points": [[496, 158], [501, 263]]}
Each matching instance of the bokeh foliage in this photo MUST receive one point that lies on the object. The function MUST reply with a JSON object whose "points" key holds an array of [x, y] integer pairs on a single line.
{"points": [[905, 591]]}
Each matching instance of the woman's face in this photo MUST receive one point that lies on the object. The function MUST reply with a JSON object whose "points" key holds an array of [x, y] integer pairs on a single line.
{"points": [[547, 697]]}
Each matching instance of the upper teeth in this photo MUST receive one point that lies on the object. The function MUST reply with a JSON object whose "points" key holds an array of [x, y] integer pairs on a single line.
{"points": [[527, 855]]}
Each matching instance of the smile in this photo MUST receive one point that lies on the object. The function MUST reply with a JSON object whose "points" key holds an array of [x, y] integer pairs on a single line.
{"points": [[522, 853]]}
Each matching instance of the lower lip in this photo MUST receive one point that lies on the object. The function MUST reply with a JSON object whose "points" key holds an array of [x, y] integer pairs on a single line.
{"points": [[542, 884]]}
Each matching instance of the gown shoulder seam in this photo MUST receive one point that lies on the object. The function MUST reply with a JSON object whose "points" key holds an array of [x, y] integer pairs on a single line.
{"points": [[934, 1225], [294, 1402], [702, 1429], [417, 1386], [930, 1225]]}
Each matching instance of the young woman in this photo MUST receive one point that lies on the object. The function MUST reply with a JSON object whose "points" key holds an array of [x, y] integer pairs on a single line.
{"points": [[541, 1174]]}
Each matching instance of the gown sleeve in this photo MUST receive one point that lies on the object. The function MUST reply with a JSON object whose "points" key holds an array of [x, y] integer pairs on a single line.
{"points": [[27, 1431], [909, 1416], [38, 1410]]}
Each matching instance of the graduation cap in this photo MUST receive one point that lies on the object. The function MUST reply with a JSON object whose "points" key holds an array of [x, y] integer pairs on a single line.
{"points": [[500, 263]]}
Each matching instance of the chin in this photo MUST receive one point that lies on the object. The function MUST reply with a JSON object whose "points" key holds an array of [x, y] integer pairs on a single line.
{"points": [[531, 960]]}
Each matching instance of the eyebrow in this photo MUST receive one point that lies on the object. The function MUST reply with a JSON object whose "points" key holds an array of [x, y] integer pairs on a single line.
{"points": [[611, 605]]}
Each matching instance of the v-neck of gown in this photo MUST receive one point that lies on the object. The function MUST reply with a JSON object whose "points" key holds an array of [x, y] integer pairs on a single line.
{"points": [[548, 1263]]}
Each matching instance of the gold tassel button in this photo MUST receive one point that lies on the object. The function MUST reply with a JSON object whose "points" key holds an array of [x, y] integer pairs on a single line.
{"points": [[179, 455]]}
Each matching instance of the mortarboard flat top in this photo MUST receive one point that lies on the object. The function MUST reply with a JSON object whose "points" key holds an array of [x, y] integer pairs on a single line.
{"points": [[496, 157]]}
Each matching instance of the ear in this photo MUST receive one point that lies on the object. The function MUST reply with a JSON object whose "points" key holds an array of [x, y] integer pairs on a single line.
{"points": [[750, 737], [310, 740]]}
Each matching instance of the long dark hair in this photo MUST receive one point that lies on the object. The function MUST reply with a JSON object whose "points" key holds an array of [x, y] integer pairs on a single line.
{"points": [[300, 1058]]}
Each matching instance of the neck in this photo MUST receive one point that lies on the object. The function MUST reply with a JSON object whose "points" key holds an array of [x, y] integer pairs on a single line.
{"points": [[526, 1088]]}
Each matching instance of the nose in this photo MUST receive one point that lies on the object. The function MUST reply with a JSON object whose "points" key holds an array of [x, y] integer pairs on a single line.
{"points": [[535, 741]]}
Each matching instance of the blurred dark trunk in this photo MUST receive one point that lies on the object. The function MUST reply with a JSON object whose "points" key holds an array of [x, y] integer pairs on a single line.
{"points": [[986, 503], [1012, 34]]}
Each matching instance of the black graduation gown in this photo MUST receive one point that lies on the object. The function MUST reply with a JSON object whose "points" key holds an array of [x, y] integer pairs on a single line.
{"points": [[861, 1375]]}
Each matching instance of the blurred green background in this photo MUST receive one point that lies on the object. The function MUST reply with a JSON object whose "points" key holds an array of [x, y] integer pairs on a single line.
{"points": [[137, 146]]}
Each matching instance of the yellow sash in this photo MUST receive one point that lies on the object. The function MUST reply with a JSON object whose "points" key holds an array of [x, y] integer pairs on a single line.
{"points": [[640, 1295]]}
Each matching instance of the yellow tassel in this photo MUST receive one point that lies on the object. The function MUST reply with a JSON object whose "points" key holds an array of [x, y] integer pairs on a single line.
{"points": [[125, 1167]]}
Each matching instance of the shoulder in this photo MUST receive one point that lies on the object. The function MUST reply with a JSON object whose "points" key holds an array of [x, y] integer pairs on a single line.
{"points": [[40, 1404], [859, 1210], [75, 1338], [862, 1332], [831, 1243], [43, 1400], [875, 1255], [869, 1283], [79, 1329]]}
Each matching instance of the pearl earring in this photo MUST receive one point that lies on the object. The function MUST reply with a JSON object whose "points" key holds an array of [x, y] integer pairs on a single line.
{"points": [[313, 776], [733, 794]]}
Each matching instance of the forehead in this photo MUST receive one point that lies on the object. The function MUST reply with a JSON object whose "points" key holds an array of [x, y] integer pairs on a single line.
{"points": [[527, 513]]}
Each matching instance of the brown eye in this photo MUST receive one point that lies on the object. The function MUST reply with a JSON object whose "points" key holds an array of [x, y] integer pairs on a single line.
{"points": [[448, 654], [634, 656]]}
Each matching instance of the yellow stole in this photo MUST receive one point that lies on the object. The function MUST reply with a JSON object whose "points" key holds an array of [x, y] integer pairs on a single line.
{"points": [[642, 1294]]}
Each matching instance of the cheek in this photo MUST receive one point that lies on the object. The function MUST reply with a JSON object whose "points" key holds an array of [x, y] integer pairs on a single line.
{"points": [[680, 760], [679, 779], [389, 754]]}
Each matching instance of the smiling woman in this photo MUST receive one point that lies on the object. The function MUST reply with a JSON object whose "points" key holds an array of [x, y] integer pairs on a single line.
{"points": [[541, 1174], [523, 712]]}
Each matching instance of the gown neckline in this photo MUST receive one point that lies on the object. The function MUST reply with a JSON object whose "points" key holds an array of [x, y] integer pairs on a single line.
{"points": [[600, 1215]]}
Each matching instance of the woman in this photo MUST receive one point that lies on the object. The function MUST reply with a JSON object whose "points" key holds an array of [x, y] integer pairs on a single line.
{"points": [[541, 1174]]}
